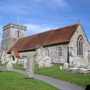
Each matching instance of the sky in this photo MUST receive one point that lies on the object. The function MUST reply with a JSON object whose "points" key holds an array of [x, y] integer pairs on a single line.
{"points": [[42, 15]]}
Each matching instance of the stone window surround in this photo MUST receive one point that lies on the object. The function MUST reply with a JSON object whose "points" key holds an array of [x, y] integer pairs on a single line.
{"points": [[80, 46]]}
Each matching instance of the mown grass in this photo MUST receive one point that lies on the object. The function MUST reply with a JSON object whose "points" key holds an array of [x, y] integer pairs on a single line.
{"points": [[14, 81], [77, 78]]}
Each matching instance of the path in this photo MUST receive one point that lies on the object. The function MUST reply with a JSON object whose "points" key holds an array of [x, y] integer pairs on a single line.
{"points": [[61, 85]]}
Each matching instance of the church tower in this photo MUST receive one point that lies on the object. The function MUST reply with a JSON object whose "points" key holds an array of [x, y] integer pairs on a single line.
{"points": [[11, 33]]}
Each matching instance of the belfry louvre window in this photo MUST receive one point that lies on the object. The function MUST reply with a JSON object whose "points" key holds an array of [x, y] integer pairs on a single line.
{"points": [[60, 51], [80, 46]]}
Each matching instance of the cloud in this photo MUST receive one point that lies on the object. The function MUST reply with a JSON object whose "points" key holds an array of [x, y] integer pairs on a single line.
{"points": [[54, 3], [41, 11], [13, 9], [19, 7], [51, 4], [61, 4], [37, 28]]}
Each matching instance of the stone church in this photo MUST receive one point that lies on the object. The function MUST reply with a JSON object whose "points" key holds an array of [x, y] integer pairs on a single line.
{"points": [[68, 44]]}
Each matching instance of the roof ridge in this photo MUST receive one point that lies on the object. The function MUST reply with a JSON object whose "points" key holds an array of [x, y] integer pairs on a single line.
{"points": [[51, 30]]}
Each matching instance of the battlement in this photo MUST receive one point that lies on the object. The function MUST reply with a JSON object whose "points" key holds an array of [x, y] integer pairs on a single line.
{"points": [[19, 27]]}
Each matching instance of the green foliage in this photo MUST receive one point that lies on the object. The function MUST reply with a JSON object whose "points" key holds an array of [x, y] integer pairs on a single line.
{"points": [[14, 81], [77, 78]]}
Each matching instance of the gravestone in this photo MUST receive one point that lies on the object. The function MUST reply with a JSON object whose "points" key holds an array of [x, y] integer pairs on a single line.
{"points": [[61, 67], [8, 60], [42, 59], [65, 66]]}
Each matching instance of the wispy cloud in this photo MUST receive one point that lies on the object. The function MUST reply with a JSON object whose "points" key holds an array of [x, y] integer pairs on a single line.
{"points": [[59, 4], [37, 28], [52, 3], [19, 7]]}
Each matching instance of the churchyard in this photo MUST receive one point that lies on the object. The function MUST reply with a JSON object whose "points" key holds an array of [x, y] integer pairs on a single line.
{"points": [[12, 79], [18, 81], [72, 77]]}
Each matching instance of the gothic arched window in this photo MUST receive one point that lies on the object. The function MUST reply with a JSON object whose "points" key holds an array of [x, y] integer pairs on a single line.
{"points": [[59, 51], [80, 46]]}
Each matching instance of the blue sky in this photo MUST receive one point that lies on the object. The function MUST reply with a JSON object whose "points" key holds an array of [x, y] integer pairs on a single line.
{"points": [[41, 15]]}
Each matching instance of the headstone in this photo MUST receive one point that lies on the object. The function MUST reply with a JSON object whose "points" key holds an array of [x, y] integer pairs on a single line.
{"points": [[41, 58], [10, 62], [47, 61], [65, 66], [61, 67], [9, 66]]}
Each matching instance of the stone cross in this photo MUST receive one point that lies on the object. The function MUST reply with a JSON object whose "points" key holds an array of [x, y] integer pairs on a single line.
{"points": [[30, 67]]}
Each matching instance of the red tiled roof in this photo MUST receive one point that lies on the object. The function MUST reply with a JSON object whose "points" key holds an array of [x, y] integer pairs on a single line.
{"points": [[57, 36]]}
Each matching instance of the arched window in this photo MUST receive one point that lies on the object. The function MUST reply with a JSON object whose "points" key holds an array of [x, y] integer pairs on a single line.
{"points": [[80, 46], [59, 51], [47, 51]]}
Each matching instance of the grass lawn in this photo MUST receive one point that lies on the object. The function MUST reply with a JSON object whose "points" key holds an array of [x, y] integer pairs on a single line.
{"points": [[79, 79], [15, 81]]}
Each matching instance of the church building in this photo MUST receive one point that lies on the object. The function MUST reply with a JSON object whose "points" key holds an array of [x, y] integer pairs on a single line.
{"points": [[62, 45]]}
